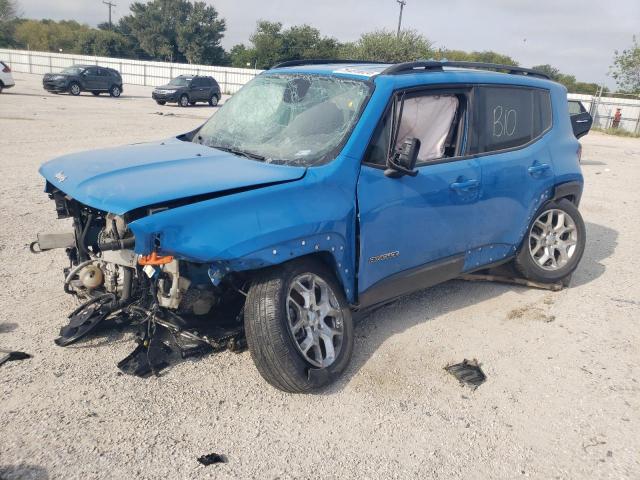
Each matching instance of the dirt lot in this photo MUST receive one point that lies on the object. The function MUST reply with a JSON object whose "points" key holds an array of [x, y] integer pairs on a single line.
{"points": [[562, 398]]}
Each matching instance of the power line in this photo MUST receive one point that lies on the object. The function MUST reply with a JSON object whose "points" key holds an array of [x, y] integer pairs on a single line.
{"points": [[110, 5]]}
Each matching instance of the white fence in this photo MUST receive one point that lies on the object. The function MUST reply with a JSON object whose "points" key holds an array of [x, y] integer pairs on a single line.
{"points": [[603, 109], [134, 72]]}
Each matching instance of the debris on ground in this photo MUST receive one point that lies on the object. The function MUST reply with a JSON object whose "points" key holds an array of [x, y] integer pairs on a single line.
{"points": [[10, 356], [554, 287], [212, 458], [468, 373]]}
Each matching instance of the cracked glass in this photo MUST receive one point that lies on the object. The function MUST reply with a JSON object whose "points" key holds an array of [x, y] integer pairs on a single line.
{"points": [[287, 118]]}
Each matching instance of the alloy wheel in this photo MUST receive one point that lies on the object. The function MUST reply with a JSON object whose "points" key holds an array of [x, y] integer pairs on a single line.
{"points": [[315, 320], [553, 239]]}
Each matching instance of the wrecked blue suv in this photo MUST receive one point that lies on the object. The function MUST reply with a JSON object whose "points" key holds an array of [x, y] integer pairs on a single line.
{"points": [[317, 191]]}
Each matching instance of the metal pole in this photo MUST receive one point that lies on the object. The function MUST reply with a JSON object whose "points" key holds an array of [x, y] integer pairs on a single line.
{"points": [[402, 4]]}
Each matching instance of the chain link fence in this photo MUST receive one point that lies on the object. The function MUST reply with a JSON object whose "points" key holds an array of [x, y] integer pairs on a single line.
{"points": [[603, 110], [134, 72]]}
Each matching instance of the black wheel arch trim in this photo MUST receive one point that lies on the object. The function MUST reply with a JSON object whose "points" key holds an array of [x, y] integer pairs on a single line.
{"points": [[569, 190]]}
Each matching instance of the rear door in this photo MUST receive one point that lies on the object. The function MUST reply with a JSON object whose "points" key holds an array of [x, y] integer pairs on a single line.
{"points": [[199, 90], [414, 231], [581, 120], [104, 79], [509, 135]]}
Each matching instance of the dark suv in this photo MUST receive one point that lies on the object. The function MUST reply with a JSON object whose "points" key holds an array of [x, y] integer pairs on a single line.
{"points": [[188, 90], [84, 78]]}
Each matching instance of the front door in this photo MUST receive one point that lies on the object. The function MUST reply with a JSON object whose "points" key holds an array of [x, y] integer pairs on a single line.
{"points": [[416, 231]]}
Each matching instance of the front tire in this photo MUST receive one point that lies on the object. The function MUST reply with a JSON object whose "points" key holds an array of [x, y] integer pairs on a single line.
{"points": [[554, 243], [298, 326], [115, 91], [160, 102], [183, 101], [74, 89]]}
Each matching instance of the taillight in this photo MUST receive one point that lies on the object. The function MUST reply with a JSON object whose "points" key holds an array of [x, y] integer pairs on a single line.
{"points": [[579, 152], [6, 68]]}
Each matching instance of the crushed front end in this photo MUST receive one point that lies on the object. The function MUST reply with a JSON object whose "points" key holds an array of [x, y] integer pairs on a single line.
{"points": [[179, 310]]}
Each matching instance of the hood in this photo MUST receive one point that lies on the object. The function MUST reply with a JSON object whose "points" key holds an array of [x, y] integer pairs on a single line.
{"points": [[119, 180], [169, 87], [50, 75]]}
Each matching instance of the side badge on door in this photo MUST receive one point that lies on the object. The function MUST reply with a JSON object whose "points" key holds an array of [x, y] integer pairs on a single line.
{"points": [[384, 256]]}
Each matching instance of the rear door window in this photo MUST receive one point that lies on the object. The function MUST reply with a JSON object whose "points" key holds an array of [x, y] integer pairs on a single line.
{"points": [[507, 117], [576, 108]]}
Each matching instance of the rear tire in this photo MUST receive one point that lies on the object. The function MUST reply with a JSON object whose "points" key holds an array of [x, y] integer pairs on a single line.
{"points": [[278, 328], [183, 101], [554, 243], [115, 91], [74, 89], [213, 101]]}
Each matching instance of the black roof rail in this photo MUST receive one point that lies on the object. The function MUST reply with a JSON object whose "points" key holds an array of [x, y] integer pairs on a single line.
{"points": [[434, 65], [324, 61]]}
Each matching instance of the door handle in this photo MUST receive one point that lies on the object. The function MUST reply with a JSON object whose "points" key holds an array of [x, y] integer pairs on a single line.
{"points": [[582, 121], [538, 168], [464, 186]]}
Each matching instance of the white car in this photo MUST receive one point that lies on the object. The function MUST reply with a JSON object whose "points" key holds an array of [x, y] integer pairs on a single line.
{"points": [[6, 80]]}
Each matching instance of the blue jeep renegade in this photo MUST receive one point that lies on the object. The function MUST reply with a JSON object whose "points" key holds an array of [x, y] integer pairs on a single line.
{"points": [[318, 190]]}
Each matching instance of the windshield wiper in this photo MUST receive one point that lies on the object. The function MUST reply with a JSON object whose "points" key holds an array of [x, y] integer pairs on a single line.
{"points": [[241, 153]]}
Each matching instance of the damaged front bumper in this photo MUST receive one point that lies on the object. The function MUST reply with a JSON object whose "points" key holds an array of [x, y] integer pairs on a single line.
{"points": [[175, 306]]}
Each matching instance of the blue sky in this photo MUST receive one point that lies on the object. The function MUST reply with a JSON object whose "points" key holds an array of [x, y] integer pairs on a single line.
{"points": [[577, 36]]}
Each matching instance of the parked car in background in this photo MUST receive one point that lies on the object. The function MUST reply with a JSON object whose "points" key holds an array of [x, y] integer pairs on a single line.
{"points": [[6, 79], [84, 78], [188, 90], [318, 191], [581, 120]]}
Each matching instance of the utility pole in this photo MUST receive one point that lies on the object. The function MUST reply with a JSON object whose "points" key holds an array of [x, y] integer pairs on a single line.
{"points": [[402, 3], [110, 5]]}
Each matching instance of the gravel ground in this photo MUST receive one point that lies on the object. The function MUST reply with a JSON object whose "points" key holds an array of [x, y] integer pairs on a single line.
{"points": [[562, 399]]}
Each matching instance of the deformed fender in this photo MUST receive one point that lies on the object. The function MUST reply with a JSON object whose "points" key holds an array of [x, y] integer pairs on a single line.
{"points": [[259, 228]]}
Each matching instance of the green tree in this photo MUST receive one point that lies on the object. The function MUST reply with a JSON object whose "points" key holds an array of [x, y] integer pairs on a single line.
{"points": [[176, 30], [103, 43], [486, 56], [270, 44], [48, 35], [8, 18], [626, 68], [569, 81], [199, 36], [385, 46]]}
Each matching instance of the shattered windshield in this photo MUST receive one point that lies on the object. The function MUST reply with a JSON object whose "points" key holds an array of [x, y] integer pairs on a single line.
{"points": [[287, 119]]}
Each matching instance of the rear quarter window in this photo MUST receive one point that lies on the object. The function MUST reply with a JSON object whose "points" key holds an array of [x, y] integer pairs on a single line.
{"points": [[507, 117]]}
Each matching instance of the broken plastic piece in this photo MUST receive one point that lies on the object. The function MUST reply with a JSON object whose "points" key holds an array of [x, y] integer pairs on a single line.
{"points": [[84, 319], [10, 356], [212, 458], [468, 372], [155, 259]]}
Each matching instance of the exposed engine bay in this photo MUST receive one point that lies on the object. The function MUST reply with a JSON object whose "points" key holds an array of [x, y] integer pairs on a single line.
{"points": [[177, 308]]}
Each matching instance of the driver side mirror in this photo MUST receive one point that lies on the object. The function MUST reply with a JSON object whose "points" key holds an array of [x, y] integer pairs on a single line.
{"points": [[403, 160]]}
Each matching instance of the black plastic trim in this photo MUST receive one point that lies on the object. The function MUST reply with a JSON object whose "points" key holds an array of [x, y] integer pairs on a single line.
{"points": [[411, 280], [571, 190]]}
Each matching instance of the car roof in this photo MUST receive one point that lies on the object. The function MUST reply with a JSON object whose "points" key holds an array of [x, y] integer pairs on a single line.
{"points": [[370, 71]]}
